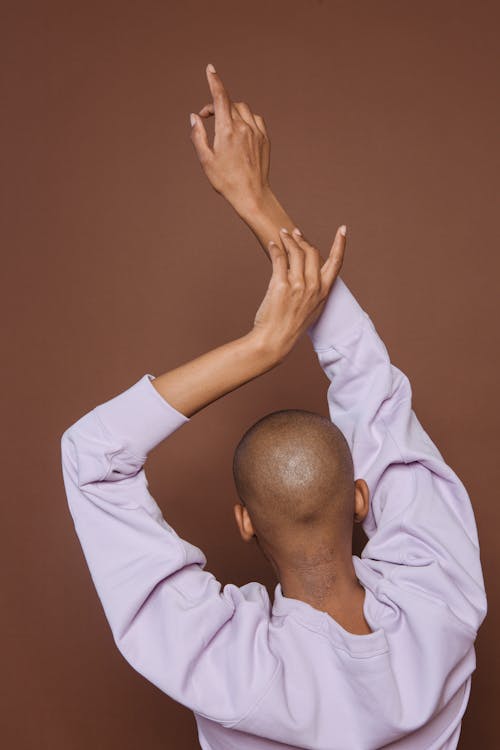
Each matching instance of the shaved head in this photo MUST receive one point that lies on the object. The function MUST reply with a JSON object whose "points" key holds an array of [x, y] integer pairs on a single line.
{"points": [[294, 473]]}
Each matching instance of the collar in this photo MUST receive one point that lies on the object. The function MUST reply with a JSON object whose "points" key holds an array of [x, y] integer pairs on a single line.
{"points": [[360, 645]]}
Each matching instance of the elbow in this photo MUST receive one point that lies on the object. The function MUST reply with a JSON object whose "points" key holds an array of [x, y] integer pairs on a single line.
{"points": [[86, 451], [68, 442], [65, 442], [68, 452], [76, 458], [65, 438], [401, 385], [481, 607]]}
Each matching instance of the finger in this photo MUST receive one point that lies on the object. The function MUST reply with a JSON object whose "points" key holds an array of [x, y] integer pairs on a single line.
{"points": [[279, 261], [261, 124], [222, 102], [199, 139], [207, 110], [313, 260], [333, 263], [296, 257], [239, 111], [246, 114], [303, 241]]}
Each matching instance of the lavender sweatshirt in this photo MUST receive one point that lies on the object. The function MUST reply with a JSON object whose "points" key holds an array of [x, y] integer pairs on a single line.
{"points": [[273, 675]]}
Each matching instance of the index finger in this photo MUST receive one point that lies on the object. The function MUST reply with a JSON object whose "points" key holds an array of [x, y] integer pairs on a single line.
{"points": [[222, 102]]}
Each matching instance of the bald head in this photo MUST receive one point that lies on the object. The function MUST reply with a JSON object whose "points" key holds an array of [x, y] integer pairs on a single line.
{"points": [[293, 471]]}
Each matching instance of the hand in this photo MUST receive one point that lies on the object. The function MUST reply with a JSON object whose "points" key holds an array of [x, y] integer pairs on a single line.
{"points": [[237, 165], [297, 292]]}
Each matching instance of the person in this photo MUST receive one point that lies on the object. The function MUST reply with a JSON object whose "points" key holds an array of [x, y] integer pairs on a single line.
{"points": [[353, 653]]}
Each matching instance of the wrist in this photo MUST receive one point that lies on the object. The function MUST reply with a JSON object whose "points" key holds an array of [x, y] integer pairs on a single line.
{"points": [[265, 216], [257, 206], [266, 351], [251, 203]]}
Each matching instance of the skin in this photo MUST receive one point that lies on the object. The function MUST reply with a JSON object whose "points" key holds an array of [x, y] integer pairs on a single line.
{"points": [[237, 166]]}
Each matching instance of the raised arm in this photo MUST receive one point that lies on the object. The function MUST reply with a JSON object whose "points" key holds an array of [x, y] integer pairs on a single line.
{"points": [[169, 617], [421, 526], [237, 164]]}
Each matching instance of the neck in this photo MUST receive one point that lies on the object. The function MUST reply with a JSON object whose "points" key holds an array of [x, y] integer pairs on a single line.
{"points": [[323, 585], [318, 572]]}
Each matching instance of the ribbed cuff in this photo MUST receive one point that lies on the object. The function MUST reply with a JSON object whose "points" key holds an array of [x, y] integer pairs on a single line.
{"points": [[140, 416], [341, 314]]}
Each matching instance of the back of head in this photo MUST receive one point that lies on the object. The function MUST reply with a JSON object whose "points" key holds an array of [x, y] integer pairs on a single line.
{"points": [[293, 471]]}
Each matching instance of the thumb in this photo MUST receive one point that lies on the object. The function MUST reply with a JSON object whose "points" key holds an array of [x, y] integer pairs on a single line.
{"points": [[199, 138]]}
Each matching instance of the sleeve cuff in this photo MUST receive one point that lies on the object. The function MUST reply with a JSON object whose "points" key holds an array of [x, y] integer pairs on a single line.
{"points": [[140, 417], [341, 314]]}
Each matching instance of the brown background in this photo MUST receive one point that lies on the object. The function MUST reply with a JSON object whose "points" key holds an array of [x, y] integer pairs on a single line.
{"points": [[120, 259]]}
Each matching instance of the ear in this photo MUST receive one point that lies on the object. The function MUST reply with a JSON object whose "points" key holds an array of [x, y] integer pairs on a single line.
{"points": [[243, 522], [361, 500]]}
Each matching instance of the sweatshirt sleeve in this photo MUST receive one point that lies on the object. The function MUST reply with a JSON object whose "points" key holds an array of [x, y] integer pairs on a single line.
{"points": [[204, 646], [421, 527]]}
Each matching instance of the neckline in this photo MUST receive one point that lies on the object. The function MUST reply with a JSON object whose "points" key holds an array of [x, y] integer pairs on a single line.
{"points": [[323, 622]]}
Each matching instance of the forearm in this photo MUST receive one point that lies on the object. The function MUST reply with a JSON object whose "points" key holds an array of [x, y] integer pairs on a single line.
{"points": [[192, 386], [201, 381], [265, 216]]}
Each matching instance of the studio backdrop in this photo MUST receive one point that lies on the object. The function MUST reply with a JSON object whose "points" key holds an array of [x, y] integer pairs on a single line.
{"points": [[119, 259]]}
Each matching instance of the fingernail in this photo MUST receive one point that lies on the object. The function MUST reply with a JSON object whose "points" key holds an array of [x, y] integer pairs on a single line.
{"points": [[284, 230], [192, 118], [297, 231], [271, 243], [211, 68], [343, 230]]}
